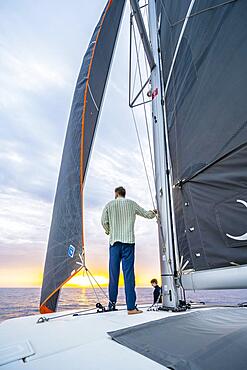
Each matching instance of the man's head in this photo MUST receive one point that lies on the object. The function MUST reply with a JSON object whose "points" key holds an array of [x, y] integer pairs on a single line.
{"points": [[154, 282], [120, 192]]}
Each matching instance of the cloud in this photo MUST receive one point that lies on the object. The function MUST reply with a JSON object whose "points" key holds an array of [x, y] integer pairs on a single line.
{"points": [[24, 225], [27, 74], [39, 68]]}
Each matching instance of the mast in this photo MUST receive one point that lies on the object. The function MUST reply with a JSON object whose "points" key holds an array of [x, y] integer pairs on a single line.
{"points": [[163, 173], [167, 234]]}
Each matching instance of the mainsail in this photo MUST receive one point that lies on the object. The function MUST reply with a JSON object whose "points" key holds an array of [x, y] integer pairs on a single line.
{"points": [[65, 256], [204, 60]]}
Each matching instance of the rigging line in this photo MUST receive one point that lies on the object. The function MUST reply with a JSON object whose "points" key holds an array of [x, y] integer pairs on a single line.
{"points": [[144, 106], [137, 105], [145, 57], [146, 121], [134, 80], [130, 56], [115, 312], [143, 159], [102, 290], [131, 93], [139, 141], [65, 314], [146, 65], [135, 73], [96, 295], [87, 312], [163, 6], [132, 104]]}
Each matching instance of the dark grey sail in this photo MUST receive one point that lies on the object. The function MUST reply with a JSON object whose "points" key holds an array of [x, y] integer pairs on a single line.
{"points": [[206, 91], [64, 256]]}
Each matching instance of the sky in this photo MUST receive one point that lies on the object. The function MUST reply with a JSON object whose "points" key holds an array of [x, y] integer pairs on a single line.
{"points": [[41, 49]]}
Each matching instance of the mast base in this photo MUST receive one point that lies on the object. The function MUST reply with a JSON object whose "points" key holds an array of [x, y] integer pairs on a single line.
{"points": [[182, 306]]}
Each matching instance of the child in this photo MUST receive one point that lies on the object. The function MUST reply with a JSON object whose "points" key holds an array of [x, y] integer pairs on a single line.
{"points": [[157, 291]]}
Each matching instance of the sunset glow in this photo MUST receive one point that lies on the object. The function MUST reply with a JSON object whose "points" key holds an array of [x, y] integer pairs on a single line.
{"points": [[83, 281], [29, 277]]}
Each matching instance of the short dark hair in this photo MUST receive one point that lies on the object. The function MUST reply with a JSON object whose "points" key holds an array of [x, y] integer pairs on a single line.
{"points": [[154, 281], [120, 191]]}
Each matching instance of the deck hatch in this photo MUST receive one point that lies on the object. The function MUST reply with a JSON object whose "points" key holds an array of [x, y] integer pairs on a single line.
{"points": [[15, 352]]}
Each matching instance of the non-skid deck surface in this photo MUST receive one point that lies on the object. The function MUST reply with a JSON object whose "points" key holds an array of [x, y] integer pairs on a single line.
{"points": [[75, 342], [212, 339]]}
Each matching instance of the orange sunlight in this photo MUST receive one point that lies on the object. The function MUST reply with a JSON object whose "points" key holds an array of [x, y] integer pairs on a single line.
{"points": [[32, 277], [18, 277], [82, 281]]}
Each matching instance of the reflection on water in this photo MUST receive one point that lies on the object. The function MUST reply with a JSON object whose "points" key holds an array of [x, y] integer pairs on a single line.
{"points": [[15, 302]]}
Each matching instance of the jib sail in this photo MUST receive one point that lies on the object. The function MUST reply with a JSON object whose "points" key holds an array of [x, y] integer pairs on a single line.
{"points": [[64, 256]]}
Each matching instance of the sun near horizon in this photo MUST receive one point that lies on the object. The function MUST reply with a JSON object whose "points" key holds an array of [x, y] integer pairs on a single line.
{"points": [[32, 278]]}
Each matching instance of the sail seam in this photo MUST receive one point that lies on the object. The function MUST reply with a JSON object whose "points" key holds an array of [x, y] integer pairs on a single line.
{"points": [[194, 14], [203, 11], [225, 156]]}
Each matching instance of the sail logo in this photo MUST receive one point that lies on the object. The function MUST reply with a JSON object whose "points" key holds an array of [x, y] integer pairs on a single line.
{"points": [[243, 236], [71, 251]]}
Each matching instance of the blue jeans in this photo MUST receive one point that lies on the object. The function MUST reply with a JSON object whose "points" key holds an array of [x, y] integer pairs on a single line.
{"points": [[124, 252]]}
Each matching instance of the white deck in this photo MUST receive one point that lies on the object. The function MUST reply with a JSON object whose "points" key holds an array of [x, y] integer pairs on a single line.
{"points": [[77, 342]]}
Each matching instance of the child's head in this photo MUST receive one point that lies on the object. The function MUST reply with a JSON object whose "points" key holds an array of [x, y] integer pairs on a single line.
{"points": [[154, 282]]}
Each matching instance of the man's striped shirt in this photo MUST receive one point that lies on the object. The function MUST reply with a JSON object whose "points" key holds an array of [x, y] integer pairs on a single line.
{"points": [[118, 219]]}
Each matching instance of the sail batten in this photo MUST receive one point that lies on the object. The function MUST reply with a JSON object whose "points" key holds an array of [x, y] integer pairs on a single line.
{"points": [[65, 251]]}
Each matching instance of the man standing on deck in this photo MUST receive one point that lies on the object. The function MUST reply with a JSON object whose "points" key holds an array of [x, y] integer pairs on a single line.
{"points": [[118, 220]]}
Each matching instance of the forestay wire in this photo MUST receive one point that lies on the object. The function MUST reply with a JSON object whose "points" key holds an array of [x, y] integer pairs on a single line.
{"points": [[90, 275]]}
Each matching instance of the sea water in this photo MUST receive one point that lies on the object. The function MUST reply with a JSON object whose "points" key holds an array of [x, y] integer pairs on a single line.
{"points": [[17, 302]]}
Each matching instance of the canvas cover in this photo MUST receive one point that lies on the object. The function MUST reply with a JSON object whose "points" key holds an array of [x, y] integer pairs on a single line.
{"points": [[209, 339], [65, 246], [207, 121]]}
